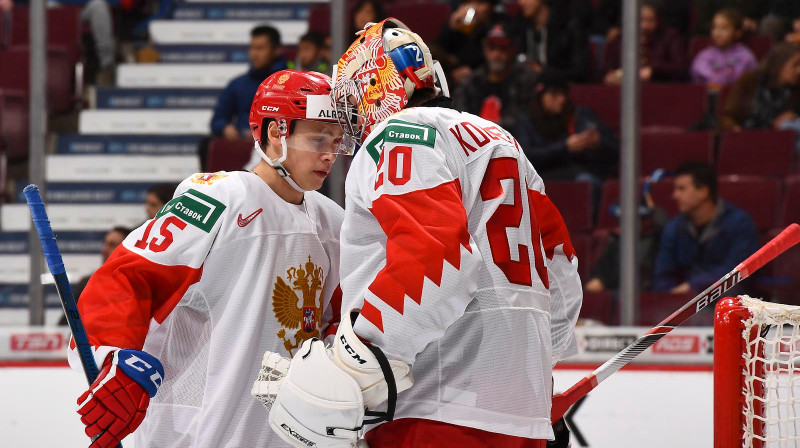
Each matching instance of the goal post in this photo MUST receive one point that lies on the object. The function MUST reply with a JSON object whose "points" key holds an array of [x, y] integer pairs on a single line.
{"points": [[756, 374]]}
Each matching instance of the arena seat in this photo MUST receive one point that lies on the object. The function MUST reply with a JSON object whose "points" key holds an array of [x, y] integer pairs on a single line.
{"points": [[665, 107], [668, 150], [790, 207], [13, 125], [759, 196], [60, 74], [574, 201], [228, 155], [756, 152], [600, 306], [672, 107], [654, 307], [64, 28], [602, 99]]}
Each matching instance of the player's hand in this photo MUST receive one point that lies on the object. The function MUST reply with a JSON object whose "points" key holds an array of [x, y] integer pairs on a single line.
{"points": [[230, 132], [116, 402], [322, 396]]}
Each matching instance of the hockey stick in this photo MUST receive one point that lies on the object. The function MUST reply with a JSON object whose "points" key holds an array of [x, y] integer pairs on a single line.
{"points": [[786, 239], [56, 265]]}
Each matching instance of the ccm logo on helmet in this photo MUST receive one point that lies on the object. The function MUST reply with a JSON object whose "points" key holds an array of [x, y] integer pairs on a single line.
{"points": [[270, 108]]}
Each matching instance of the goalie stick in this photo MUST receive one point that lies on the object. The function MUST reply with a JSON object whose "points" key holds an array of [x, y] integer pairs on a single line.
{"points": [[56, 266], [786, 239]]}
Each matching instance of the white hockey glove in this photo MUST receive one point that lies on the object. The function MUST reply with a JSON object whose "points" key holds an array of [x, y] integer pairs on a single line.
{"points": [[322, 396]]}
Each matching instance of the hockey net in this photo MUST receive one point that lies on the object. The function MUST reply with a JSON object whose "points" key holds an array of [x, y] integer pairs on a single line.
{"points": [[756, 374]]}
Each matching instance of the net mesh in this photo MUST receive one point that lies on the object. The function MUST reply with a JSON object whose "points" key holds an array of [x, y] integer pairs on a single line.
{"points": [[771, 363], [270, 377]]}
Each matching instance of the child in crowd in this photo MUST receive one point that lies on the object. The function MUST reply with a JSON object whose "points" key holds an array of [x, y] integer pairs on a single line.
{"points": [[722, 63]]}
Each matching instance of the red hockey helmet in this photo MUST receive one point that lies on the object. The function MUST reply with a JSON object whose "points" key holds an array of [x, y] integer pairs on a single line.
{"points": [[289, 95]]}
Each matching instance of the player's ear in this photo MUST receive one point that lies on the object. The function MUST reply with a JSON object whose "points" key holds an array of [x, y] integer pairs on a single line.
{"points": [[273, 149]]}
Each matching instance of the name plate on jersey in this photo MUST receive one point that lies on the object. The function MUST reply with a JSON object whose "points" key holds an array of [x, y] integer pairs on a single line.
{"points": [[198, 209]]}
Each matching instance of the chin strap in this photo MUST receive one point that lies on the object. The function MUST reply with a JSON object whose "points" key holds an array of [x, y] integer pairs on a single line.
{"points": [[277, 164]]}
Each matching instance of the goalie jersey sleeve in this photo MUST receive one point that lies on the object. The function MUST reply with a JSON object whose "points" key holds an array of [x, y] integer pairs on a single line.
{"points": [[462, 267]]}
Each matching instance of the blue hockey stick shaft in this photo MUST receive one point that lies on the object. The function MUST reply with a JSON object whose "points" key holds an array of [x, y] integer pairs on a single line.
{"points": [[56, 265]]}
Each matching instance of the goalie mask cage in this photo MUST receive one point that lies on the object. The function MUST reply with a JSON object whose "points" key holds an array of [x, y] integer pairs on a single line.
{"points": [[756, 374]]}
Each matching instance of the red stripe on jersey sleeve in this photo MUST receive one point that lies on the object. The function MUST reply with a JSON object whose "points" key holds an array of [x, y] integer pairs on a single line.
{"points": [[423, 229], [551, 225], [126, 292]]}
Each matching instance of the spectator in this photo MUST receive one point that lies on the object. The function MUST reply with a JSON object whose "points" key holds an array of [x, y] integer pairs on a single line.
{"points": [[499, 89], [562, 141], [461, 35], [703, 12], [366, 11], [113, 238], [5, 22], [97, 14], [233, 107], [550, 37], [605, 273], [309, 54], [769, 96], [778, 20], [663, 55], [722, 63], [706, 240], [793, 36], [157, 196]]}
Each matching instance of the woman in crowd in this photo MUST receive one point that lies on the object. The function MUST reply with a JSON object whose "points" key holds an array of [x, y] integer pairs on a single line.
{"points": [[769, 97], [663, 55], [564, 141]]}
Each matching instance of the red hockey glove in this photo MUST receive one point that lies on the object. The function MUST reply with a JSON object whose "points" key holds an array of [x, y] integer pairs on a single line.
{"points": [[116, 402]]}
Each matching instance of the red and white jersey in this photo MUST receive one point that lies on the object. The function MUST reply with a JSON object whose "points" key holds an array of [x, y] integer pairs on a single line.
{"points": [[462, 267], [225, 271]]}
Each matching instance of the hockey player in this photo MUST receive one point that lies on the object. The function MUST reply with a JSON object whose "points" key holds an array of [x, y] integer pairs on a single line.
{"points": [[459, 279], [235, 264]]}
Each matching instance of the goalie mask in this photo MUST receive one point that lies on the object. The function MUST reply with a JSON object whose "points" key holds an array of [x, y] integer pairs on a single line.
{"points": [[378, 74], [289, 96]]}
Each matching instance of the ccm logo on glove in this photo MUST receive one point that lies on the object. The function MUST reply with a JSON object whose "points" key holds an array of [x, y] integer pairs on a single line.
{"points": [[352, 352], [117, 400]]}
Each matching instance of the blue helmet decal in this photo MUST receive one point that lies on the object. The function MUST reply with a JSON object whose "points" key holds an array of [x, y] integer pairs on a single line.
{"points": [[408, 55]]}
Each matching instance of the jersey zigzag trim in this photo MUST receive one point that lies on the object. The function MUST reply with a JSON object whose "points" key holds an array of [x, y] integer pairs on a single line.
{"points": [[424, 229]]}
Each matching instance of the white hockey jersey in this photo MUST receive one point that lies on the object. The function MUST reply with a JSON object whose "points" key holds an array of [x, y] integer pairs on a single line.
{"points": [[461, 266], [225, 271]]}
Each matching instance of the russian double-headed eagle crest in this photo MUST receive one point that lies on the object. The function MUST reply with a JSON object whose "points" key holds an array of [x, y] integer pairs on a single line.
{"points": [[290, 312]]}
